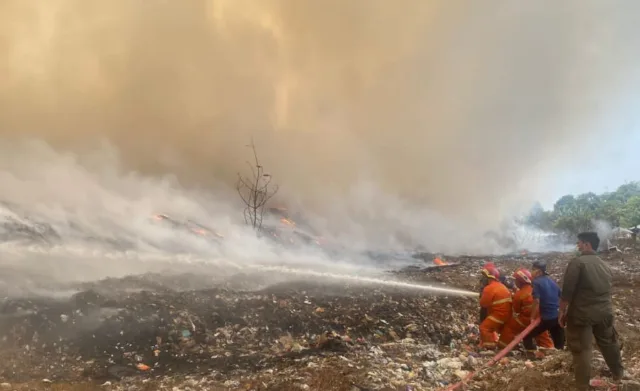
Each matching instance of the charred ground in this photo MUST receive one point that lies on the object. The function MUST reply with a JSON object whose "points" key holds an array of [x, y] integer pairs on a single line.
{"points": [[160, 331]]}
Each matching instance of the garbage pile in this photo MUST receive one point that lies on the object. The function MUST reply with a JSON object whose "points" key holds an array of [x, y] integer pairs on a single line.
{"points": [[144, 333]]}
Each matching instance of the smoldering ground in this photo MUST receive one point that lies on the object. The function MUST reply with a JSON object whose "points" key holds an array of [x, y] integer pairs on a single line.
{"points": [[407, 123]]}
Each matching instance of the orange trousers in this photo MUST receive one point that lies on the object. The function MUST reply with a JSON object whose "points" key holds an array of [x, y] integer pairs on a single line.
{"points": [[489, 330], [513, 328]]}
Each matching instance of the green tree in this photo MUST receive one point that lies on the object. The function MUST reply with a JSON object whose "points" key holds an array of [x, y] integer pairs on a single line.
{"points": [[572, 214], [631, 212], [540, 218], [628, 191], [610, 209]]}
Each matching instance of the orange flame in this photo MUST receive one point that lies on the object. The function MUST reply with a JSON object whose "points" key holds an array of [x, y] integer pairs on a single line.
{"points": [[439, 262], [288, 222]]}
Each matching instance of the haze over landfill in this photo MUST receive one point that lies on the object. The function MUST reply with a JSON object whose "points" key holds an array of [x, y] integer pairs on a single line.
{"points": [[405, 136], [430, 120]]}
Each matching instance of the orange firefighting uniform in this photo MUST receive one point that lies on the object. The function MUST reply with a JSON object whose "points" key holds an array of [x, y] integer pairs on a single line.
{"points": [[496, 298], [522, 305]]}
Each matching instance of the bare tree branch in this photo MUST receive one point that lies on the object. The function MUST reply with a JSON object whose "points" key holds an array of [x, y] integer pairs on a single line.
{"points": [[255, 191]]}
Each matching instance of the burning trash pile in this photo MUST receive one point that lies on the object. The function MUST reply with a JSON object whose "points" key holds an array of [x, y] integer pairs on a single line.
{"points": [[226, 332], [145, 333]]}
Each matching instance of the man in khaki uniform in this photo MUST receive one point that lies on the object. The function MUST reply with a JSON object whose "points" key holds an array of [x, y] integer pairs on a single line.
{"points": [[586, 311]]}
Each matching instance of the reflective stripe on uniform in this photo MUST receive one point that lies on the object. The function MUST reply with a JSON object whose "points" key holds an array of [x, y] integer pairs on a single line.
{"points": [[493, 318], [520, 322], [527, 306], [507, 300]]}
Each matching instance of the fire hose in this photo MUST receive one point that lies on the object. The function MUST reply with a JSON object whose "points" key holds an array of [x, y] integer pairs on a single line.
{"points": [[498, 356]]}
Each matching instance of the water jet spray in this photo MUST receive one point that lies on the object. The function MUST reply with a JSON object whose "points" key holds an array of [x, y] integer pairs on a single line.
{"points": [[82, 257], [367, 280]]}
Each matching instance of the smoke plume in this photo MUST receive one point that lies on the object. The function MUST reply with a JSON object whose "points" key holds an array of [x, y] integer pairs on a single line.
{"points": [[411, 116]]}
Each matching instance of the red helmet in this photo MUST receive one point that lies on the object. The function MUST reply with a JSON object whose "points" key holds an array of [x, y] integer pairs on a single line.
{"points": [[522, 276], [491, 272]]}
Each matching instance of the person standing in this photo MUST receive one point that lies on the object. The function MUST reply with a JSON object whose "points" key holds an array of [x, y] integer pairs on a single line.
{"points": [[586, 310], [546, 305]]}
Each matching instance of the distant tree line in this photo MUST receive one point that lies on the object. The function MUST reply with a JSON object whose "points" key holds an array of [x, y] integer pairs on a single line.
{"points": [[572, 214]]}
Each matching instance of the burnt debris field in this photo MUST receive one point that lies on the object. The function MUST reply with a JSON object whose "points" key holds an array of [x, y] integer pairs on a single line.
{"points": [[278, 195], [196, 331]]}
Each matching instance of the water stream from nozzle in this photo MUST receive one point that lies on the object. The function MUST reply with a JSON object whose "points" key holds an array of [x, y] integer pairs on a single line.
{"points": [[77, 258], [367, 280]]}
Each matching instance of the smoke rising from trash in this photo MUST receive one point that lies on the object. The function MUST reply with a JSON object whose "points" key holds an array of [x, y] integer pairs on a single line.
{"points": [[416, 124]]}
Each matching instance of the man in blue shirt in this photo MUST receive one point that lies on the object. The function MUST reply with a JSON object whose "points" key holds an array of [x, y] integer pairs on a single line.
{"points": [[546, 305]]}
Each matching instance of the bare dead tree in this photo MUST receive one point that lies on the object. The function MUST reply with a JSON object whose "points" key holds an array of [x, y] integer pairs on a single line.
{"points": [[255, 191]]}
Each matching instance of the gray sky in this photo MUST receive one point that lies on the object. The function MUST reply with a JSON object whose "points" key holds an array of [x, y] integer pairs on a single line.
{"points": [[608, 161]]}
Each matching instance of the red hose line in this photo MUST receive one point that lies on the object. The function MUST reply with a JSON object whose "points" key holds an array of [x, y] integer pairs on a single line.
{"points": [[498, 356]]}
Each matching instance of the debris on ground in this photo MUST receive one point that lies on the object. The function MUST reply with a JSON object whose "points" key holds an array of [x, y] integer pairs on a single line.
{"points": [[139, 333]]}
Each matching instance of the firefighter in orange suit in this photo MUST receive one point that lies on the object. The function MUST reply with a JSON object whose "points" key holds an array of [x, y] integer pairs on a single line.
{"points": [[522, 305], [496, 298]]}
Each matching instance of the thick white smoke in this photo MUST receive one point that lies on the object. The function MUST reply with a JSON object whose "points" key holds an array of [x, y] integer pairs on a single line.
{"points": [[392, 125]]}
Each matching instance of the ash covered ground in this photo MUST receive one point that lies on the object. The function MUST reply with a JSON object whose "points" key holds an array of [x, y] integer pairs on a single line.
{"points": [[199, 331]]}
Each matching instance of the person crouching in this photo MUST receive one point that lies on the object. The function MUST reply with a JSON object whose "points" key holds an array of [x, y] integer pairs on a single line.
{"points": [[522, 307], [496, 299]]}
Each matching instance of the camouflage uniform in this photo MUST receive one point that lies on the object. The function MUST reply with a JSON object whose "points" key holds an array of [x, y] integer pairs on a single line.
{"points": [[587, 289]]}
